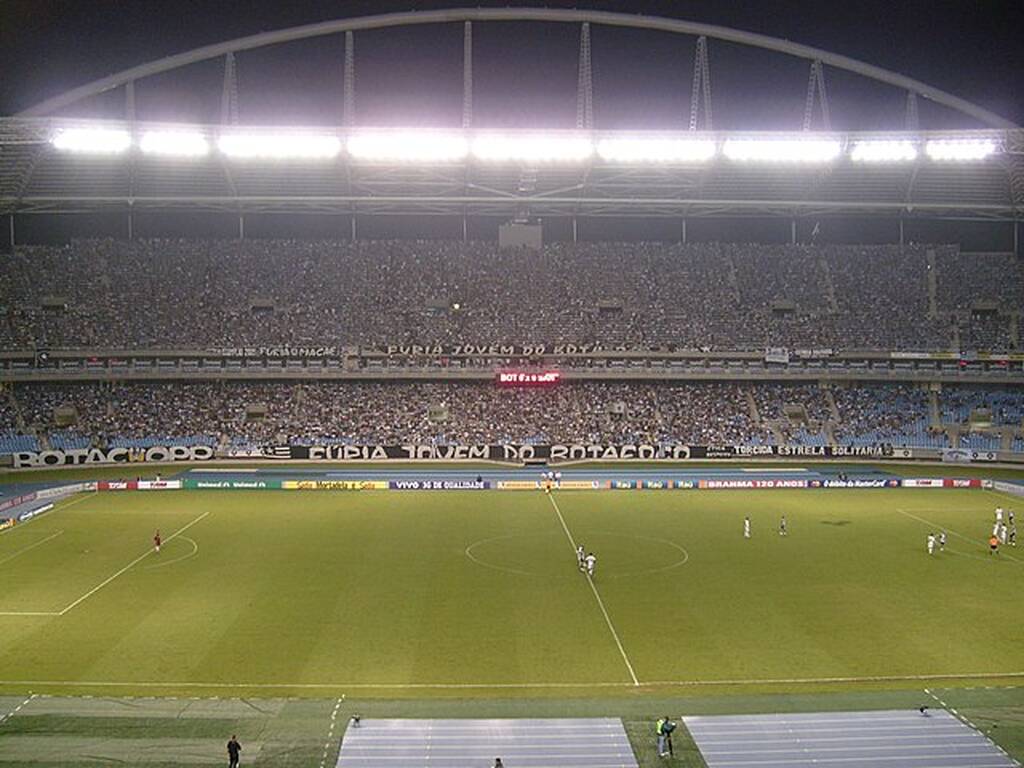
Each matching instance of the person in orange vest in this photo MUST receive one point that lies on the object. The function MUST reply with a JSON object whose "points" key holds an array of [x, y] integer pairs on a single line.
{"points": [[993, 545]]}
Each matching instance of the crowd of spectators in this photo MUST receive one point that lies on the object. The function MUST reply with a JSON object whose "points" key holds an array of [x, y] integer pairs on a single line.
{"points": [[391, 413], [256, 414], [897, 414], [208, 294]]}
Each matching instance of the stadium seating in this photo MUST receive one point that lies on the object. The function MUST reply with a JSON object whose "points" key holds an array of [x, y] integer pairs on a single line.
{"points": [[251, 414], [202, 294]]}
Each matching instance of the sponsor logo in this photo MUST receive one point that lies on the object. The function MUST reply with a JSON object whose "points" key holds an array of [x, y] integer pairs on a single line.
{"points": [[335, 485], [857, 483], [7, 522], [33, 512], [439, 485], [752, 483]]}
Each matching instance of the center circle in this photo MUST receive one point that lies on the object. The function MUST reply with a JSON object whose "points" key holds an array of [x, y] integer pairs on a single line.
{"points": [[548, 555]]}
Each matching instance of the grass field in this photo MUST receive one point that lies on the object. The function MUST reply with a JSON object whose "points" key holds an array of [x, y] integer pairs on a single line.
{"points": [[326, 593], [472, 600]]}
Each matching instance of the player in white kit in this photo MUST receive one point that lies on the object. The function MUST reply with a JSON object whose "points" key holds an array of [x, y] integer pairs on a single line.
{"points": [[746, 527], [591, 561], [931, 543]]}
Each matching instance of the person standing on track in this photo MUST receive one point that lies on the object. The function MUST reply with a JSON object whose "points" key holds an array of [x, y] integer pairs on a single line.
{"points": [[156, 541], [233, 749], [659, 731]]}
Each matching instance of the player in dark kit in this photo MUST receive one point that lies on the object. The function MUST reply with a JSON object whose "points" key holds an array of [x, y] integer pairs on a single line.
{"points": [[156, 541], [233, 749]]}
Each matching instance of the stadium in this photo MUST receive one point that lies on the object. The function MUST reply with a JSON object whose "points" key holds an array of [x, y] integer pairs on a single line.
{"points": [[485, 435]]}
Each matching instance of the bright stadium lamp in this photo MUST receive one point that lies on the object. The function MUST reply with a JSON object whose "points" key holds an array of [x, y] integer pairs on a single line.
{"points": [[279, 146], [959, 150], [101, 141], [174, 143], [408, 146], [640, 150], [883, 151], [782, 150], [537, 147]]}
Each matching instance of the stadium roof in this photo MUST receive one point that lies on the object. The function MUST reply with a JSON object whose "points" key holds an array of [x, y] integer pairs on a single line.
{"points": [[37, 175], [49, 164]]}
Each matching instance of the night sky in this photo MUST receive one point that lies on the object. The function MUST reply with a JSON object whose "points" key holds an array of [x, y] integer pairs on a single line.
{"points": [[525, 74]]}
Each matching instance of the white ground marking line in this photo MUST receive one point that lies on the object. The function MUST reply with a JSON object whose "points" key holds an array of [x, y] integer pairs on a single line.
{"points": [[58, 505], [141, 557], [330, 732], [959, 535], [597, 595], [968, 723], [17, 708], [195, 548], [471, 686], [23, 550]]}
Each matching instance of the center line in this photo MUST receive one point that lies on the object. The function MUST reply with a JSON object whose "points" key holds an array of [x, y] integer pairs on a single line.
{"points": [[597, 595]]}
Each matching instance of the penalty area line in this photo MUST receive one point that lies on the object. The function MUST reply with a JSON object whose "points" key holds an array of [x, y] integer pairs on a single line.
{"points": [[58, 505], [538, 686], [23, 550], [138, 559], [597, 595], [959, 535]]}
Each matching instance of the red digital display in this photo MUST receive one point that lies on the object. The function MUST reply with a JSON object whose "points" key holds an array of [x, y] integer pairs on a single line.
{"points": [[528, 378]]}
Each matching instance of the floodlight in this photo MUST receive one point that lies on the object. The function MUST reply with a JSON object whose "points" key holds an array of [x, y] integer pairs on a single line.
{"points": [[279, 146], [782, 150], [643, 150], [537, 147], [408, 146], [176, 143], [959, 149], [883, 151], [104, 141]]}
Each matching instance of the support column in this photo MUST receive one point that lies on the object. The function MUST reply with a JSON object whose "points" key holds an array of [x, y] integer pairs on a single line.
{"points": [[1016, 239], [354, 233], [11, 220], [585, 83], [575, 230], [348, 104], [131, 224], [792, 231], [465, 228], [241, 226], [901, 233], [682, 230], [467, 75]]}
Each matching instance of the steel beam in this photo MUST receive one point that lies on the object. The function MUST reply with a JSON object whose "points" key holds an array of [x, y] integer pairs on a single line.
{"points": [[573, 16]]}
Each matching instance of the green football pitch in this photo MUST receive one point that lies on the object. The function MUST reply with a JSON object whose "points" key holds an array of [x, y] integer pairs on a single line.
{"points": [[477, 594], [277, 615]]}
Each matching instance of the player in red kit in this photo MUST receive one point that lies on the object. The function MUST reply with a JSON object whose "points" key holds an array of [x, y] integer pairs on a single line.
{"points": [[156, 541]]}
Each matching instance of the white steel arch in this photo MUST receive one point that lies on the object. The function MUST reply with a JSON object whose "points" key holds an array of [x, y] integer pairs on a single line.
{"points": [[657, 23]]}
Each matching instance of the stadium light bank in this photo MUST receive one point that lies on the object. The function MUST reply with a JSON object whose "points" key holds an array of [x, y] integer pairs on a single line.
{"points": [[430, 146]]}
